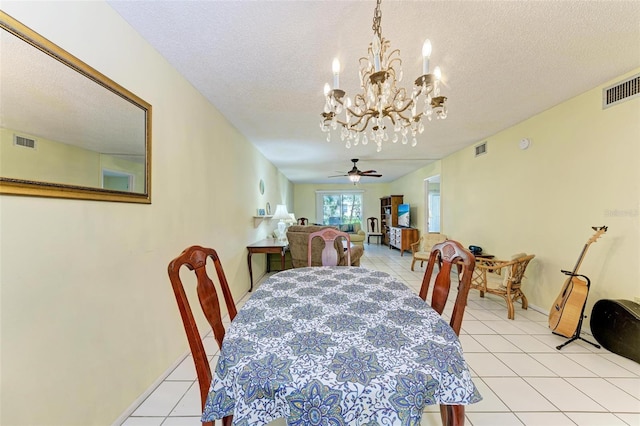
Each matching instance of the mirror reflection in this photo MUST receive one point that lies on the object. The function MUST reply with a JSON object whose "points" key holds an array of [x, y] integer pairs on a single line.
{"points": [[65, 129]]}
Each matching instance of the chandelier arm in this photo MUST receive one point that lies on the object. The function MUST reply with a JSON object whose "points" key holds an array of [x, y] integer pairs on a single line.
{"points": [[387, 113], [409, 119], [364, 126], [355, 114], [403, 109]]}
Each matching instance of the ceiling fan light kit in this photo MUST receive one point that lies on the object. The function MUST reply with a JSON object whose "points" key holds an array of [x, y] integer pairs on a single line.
{"points": [[383, 105], [355, 174]]}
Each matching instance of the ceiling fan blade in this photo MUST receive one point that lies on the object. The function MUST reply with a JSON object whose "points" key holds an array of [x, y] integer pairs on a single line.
{"points": [[371, 175], [337, 176], [366, 172]]}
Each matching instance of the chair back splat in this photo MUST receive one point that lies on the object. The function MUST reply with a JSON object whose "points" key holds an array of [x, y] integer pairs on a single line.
{"points": [[447, 254], [329, 254], [373, 230], [195, 259], [303, 221]]}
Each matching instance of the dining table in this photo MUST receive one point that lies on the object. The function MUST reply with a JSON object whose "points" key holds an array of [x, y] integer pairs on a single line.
{"points": [[337, 346]]}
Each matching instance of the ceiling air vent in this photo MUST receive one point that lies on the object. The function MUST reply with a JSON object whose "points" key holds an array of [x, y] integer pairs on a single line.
{"points": [[481, 149], [24, 141], [620, 92]]}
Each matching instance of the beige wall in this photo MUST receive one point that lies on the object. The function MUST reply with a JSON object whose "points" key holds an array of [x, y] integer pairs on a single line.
{"points": [[49, 162], [88, 318], [412, 186], [57, 162], [581, 170], [305, 198]]}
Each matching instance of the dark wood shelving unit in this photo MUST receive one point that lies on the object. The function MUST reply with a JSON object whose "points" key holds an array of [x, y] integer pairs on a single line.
{"points": [[389, 215]]}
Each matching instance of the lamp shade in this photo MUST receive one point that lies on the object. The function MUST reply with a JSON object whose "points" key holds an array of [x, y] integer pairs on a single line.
{"points": [[281, 213]]}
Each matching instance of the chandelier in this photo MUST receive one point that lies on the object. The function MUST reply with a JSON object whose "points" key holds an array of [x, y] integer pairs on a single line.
{"points": [[383, 106]]}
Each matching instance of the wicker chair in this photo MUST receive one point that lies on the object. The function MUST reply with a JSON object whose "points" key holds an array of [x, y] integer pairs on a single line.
{"points": [[421, 249], [502, 278]]}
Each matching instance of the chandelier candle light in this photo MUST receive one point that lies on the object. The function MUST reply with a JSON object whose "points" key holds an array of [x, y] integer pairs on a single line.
{"points": [[383, 104]]}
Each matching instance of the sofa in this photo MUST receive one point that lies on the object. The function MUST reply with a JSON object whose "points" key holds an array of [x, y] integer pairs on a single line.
{"points": [[355, 231], [298, 236]]}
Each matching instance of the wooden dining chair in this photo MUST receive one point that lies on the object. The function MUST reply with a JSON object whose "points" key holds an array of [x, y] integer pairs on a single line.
{"points": [[329, 253], [373, 230], [195, 259], [303, 221], [446, 255]]}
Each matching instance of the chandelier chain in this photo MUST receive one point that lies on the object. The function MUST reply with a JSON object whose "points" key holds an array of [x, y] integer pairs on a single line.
{"points": [[377, 20]]}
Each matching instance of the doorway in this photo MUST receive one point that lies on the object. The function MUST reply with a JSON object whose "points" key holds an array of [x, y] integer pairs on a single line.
{"points": [[117, 181], [432, 203]]}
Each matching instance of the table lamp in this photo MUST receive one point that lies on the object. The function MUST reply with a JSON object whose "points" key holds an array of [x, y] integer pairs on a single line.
{"points": [[292, 220], [281, 215]]}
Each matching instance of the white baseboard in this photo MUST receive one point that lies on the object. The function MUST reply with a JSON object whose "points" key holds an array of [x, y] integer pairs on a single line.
{"points": [[539, 309], [586, 329], [135, 404]]}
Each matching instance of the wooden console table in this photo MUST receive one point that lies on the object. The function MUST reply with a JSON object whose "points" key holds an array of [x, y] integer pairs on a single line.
{"points": [[402, 238], [268, 245]]}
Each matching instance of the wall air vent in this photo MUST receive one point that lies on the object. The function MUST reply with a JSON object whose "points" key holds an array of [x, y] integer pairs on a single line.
{"points": [[481, 149], [621, 91], [24, 141]]}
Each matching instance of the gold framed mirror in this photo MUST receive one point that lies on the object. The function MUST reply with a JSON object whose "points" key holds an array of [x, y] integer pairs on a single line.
{"points": [[66, 130]]}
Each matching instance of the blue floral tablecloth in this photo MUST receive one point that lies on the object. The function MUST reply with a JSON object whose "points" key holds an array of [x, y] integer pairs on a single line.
{"points": [[336, 346]]}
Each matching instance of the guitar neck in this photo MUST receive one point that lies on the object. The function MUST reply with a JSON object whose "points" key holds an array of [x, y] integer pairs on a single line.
{"points": [[581, 258], [599, 231]]}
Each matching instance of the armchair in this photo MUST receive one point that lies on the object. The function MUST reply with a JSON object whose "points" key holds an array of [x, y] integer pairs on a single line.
{"points": [[502, 278], [421, 249], [298, 237]]}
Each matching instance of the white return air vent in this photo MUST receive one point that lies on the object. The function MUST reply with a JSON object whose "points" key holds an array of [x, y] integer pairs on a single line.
{"points": [[621, 91], [481, 149], [24, 141]]}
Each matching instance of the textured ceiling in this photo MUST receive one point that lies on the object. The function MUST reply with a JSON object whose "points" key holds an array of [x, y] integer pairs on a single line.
{"points": [[44, 98], [263, 64]]}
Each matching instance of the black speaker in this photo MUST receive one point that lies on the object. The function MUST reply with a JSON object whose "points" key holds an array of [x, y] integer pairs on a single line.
{"points": [[475, 250]]}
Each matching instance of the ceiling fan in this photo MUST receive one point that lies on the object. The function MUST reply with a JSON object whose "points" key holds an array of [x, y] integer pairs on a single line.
{"points": [[354, 174]]}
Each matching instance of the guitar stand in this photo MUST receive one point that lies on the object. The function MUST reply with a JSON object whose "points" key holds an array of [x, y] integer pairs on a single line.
{"points": [[576, 335]]}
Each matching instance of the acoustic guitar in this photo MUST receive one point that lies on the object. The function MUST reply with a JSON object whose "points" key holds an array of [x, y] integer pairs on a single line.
{"points": [[567, 310]]}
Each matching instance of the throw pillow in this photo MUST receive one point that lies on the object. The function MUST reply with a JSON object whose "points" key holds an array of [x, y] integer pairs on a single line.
{"points": [[347, 228]]}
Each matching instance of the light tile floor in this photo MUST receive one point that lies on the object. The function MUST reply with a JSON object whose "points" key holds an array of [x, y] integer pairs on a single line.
{"points": [[523, 379]]}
